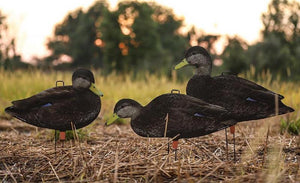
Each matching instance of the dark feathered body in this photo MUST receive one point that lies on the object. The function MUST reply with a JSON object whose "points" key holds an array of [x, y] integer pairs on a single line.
{"points": [[187, 116], [57, 107], [245, 100]]}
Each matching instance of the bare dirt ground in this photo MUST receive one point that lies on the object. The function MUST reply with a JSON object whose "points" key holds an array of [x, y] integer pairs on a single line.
{"points": [[117, 154]]}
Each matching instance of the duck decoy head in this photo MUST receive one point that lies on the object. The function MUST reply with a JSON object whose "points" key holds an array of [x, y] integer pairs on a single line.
{"points": [[84, 79], [124, 108], [196, 56]]}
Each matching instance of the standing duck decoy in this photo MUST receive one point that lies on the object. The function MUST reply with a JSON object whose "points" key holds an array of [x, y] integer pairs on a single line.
{"points": [[187, 117], [244, 99], [57, 107]]}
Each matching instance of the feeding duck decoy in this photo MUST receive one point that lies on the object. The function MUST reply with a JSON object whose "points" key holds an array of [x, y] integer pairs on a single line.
{"points": [[187, 117], [57, 107], [245, 99]]}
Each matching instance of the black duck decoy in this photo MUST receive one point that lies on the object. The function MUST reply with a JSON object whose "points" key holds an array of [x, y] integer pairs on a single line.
{"points": [[245, 99], [57, 107], [187, 117]]}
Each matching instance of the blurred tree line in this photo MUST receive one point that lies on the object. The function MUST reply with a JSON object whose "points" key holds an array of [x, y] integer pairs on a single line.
{"points": [[279, 49], [136, 36], [144, 36], [9, 58]]}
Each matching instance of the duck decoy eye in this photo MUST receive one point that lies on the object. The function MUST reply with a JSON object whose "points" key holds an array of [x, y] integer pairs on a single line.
{"points": [[121, 107]]}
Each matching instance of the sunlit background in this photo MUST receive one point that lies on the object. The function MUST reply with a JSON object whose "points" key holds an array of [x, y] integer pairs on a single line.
{"points": [[32, 21], [132, 47], [138, 36]]}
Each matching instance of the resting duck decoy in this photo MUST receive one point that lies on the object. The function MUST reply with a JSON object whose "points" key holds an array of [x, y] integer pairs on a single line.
{"points": [[187, 117], [57, 107], [245, 99]]}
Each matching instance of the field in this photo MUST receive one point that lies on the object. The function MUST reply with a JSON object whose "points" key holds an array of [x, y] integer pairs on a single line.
{"points": [[117, 154]]}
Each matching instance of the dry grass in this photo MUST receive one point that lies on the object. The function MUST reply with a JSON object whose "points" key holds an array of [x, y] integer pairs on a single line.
{"points": [[116, 154]]}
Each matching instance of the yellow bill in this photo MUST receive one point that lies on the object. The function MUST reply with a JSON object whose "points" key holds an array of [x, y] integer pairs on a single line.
{"points": [[112, 119], [95, 90], [181, 64]]}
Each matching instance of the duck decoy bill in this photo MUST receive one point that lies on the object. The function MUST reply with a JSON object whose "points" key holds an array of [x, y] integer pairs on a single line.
{"points": [[181, 64], [95, 90], [112, 119]]}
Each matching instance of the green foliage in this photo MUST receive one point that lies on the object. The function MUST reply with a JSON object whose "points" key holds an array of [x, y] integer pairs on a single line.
{"points": [[137, 36], [271, 54], [279, 50], [292, 127], [75, 38], [111, 35], [140, 36], [234, 55]]}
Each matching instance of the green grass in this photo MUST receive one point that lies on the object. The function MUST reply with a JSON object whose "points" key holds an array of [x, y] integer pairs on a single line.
{"points": [[21, 84], [292, 127]]}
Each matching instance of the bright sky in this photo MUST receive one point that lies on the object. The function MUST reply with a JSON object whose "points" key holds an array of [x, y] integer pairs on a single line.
{"points": [[32, 21]]}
